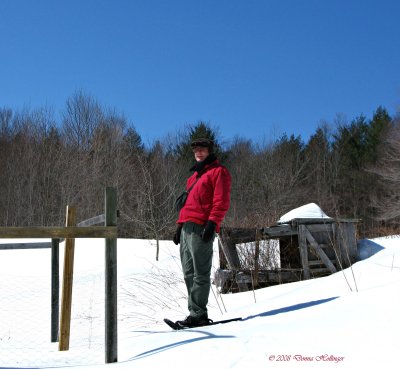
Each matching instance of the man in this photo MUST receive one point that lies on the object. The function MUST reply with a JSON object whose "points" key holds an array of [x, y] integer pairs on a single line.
{"points": [[200, 218]]}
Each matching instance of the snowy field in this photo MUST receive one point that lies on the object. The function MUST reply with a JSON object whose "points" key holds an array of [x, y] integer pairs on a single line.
{"points": [[347, 320]]}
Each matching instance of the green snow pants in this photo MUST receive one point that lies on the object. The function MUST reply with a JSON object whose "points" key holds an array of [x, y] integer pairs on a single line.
{"points": [[196, 259]]}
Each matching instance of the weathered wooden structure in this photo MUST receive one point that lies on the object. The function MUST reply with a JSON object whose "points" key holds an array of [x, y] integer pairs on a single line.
{"points": [[308, 248]]}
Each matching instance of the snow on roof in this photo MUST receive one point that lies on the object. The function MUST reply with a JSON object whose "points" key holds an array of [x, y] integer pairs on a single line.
{"points": [[311, 210]]}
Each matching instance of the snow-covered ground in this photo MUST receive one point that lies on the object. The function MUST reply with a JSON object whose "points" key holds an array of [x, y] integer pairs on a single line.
{"points": [[347, 320]]}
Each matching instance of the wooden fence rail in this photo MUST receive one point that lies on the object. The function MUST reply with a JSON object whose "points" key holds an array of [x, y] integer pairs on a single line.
{"points": [[58, 232], [25, 246]]}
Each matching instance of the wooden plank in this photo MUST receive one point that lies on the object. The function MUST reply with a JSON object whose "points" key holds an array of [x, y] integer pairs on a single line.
{"points": [[269, 276], [241, 235], [319, 262], [315, 262], [242, 285], [230, 252], [281, 276], [111, 319], [316, 228], [229, 249], [279, 231], [304, 252], [99, 219], [25, 246], [55, 289], [58, 232], [347, 220], [320, 270], [308, 221], [66, 300], [243, 278], [346, 243], [319, 250]]}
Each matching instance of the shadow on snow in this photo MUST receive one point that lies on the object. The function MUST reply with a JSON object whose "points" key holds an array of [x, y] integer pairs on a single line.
{"points": [[208, 335], [288, 309], [367, 248]]}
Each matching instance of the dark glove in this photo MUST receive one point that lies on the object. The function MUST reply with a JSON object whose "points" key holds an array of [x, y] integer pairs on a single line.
{"points": [[208, 232], [177, 235]]}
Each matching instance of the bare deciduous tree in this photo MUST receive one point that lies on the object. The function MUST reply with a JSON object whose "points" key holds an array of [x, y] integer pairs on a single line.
{"points": [[388, 169], [155, 197]]}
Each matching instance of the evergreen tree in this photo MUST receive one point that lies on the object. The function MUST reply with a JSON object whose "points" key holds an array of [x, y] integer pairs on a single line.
{"points": [[317, 156], [350, 144], [132, 141], [356, 149], [200, 130], [377, 130]]}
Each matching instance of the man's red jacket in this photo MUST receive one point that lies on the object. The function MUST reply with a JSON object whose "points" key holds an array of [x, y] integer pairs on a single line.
{"points": [[209, 198]]}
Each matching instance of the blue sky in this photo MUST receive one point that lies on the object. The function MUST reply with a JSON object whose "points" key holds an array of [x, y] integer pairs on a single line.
{"points": [[254, 69]]}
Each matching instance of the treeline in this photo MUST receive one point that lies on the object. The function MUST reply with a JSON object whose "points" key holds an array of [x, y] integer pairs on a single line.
{"points": [[46, 164]]}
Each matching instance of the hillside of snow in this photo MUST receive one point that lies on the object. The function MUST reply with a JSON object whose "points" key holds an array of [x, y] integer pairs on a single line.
{"points": [[346, 320]]}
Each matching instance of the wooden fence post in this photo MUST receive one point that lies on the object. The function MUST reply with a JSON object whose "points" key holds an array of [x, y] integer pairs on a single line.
{"points": [[256, 257], [55, 288], [304, 251], [111, 326], [66, 300]]}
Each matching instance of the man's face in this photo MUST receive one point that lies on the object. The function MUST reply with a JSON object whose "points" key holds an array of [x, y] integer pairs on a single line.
{"points": [[200, 153]]}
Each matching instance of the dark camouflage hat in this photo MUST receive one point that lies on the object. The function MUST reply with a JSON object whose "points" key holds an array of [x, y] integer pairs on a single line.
{"points": [[203, 142]]}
